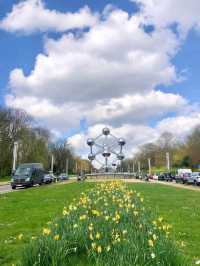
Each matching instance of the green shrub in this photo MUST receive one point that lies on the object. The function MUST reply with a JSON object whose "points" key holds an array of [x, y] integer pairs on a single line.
{"points": [[107, 226]]}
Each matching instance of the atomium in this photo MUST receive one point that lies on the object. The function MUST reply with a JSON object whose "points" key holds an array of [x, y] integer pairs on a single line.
{"points": [[108, 148]]}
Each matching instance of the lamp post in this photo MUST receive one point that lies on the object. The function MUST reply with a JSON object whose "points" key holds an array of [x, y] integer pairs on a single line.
{"points": [[149, 164], [67, 166], [52, 163], [167, 161], [139, 170], [15, 149], [133, 169]]}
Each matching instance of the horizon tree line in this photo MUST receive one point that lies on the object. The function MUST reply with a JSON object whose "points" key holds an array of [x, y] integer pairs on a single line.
{"points": [[34, 144]]}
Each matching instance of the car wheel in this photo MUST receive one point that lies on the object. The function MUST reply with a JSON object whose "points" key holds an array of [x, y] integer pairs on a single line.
{"points": [[13, 187]]}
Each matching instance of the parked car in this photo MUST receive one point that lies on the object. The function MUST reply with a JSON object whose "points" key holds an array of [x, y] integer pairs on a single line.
{"points": [[48, 178], [194, 178], [81, 177], [155, 177], [27, 175], [183, 171], [63, 177], [183, 178], [166, 177]]}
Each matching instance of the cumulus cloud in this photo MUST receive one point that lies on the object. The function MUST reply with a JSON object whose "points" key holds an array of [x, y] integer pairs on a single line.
{"points": [[31, 16], [134, 134], [137, 135], [180, 126], [107, 75], [184, 14], [116, 57], [136, 107]]}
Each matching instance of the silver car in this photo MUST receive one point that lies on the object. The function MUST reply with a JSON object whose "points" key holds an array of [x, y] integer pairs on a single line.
{"points": [[194, 178]]}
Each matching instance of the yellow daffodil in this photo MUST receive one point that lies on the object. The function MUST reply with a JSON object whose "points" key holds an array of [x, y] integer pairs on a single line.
{"points": [[82, 217], [46, 231], [154, 237], [56, 237], [99, 249], [93, 245], [108, 248], [65, 212], [124, 232], [20, 236], [98, 235], [150, 242]]}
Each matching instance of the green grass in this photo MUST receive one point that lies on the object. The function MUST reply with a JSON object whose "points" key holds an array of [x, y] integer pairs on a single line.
{"points": [[181, 208], [110, 225], [4, 179], [29, 210]]}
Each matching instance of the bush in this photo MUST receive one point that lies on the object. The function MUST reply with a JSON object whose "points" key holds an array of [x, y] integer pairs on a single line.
{"points": [[108, 225]]}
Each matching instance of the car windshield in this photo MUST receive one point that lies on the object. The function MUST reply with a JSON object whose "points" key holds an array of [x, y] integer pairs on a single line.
{"points": [[22, 171], [194, 174]]}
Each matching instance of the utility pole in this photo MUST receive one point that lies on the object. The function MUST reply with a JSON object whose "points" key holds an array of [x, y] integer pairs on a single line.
{"points": [[52, 163], [133, 167], [149, 164], [139, 167], [67, 166], [76, 168], [15, 149], [167, 161]]}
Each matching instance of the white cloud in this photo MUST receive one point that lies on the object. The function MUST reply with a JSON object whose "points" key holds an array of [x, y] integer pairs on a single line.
{"points": [[31, 16], [136, 107], [137, 135], [35, 107], [106, 75], [134, 135], [163, 13], [180, 126], [116, 57]]}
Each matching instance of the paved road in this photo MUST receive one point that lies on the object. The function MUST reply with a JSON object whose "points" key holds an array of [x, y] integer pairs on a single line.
{"points": [[5, 189]]}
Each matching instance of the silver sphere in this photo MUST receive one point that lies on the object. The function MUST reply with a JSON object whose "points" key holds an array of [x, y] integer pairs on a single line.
{"points": [[91, 157], [120, 156], [121, 142], [106, 131], [90, 142], [106, 153]]}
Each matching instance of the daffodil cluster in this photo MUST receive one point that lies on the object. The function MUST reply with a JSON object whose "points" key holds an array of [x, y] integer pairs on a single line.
{"points": [[109, 225]]}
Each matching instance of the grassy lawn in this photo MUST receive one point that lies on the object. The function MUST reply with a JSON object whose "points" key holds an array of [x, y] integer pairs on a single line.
{"points": [[29, 210], [4, 179]]}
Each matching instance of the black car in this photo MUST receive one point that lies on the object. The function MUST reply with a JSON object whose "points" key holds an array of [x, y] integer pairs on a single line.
{"points": [[27, 175], [166, 177]]}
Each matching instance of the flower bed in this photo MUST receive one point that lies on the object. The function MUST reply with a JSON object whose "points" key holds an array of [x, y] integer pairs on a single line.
{"points": [[108, 225]]}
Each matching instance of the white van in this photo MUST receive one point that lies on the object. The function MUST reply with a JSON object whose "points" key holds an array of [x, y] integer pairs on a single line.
{"points": [[184, 171]]}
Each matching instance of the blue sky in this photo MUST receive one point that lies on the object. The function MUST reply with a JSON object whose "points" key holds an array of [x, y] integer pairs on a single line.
{"points": [[152, 99]]}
